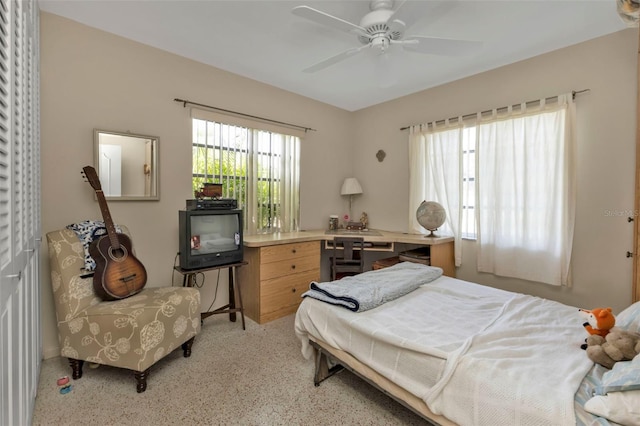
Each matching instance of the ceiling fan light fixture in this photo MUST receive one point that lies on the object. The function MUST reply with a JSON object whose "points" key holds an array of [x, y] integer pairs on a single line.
{"points": [[380, 42]]}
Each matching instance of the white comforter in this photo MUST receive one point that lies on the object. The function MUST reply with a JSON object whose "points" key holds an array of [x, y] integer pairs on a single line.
{"points": [[475, 354]]}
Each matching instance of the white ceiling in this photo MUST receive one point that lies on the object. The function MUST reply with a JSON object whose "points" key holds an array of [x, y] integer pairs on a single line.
{"points": [[264, 41]]}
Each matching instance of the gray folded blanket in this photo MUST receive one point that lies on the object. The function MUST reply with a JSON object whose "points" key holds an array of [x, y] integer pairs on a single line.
{"points": [[368, 290]]}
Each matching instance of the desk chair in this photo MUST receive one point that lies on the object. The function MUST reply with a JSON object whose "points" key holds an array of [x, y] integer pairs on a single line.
{"points": [[346, 260]]}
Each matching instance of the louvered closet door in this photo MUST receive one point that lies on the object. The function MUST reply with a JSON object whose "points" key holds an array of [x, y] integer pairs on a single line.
{"points": [[20, 340]]}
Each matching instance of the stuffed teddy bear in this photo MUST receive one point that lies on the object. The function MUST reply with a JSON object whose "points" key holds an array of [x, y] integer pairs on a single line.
{"points": [[618, 345], [599, 322]]}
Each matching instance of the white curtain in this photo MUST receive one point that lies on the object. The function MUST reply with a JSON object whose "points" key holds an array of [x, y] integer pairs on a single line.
{"points": [[272, 159], [289, 184], [526, 192], [435, 174], [250, 200]]}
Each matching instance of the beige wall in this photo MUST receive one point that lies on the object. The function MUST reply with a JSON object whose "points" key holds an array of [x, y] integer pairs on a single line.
{"points": [[606, 157], [92, 79]]}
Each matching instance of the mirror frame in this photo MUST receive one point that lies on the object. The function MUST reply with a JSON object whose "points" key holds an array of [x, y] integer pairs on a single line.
{"points": [[155, 169]]}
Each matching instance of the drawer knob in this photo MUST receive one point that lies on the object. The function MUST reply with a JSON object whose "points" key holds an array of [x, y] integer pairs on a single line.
{"points": [[293, 290], [293, 266], [293, 251]]}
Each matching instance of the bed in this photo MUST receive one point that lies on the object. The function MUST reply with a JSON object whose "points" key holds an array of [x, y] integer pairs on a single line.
{"points": [[456, 352]]}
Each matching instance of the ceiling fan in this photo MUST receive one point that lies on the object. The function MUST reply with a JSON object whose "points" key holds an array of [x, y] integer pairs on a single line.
{"points": [[380, 28]]}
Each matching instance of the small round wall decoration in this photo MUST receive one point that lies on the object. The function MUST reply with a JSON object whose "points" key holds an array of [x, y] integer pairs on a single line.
{"points": [[380, 155]]}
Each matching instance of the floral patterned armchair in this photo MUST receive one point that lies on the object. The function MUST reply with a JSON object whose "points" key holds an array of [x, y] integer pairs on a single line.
{"points": [[132, 333]]}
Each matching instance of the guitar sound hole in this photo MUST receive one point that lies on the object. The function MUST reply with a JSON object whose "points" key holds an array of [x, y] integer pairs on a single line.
{"points": [[118, 255]]}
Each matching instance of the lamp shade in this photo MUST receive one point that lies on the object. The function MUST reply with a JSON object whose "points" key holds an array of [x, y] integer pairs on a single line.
{"points": [[351, 186]]}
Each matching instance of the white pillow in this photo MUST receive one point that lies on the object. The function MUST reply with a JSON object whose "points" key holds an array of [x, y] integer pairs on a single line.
{"points": [[624, 376], [619, 407], [629, 319]]}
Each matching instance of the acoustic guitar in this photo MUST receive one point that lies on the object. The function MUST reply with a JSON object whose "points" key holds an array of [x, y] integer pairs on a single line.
{"points": [[118, 274]]}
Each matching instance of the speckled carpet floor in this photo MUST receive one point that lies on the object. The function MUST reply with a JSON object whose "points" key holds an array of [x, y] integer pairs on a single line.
{"points": [[233, 377]]}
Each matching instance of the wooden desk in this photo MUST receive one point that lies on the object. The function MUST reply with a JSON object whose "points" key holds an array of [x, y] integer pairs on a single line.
{"points": [[441, 248], [189, 280], [282, 265]]}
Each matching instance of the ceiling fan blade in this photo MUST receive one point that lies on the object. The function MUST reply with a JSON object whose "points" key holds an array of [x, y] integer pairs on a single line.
{"points": [[440, 46], [334, 59], [325, 19]]}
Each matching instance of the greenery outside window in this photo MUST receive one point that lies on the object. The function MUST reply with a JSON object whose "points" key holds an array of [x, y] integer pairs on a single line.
{"points": [[259, 168]]}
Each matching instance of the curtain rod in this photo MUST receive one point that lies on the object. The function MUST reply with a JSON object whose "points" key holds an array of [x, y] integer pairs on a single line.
{"points": [[573, 95], [185, 102]]}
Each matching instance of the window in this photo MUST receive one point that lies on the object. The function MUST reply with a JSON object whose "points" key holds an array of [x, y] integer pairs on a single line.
{"points": [[506, 178], [259, 168]]}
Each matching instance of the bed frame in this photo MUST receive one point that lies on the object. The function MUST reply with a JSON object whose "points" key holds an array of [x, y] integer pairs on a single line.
{"points": [[323, 354]]}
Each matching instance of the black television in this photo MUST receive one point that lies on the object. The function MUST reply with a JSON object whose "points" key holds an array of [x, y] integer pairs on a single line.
{"points": [[210, 238]]}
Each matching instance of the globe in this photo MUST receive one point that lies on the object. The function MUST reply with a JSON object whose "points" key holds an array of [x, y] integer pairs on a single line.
{"points": [[431, 216]]}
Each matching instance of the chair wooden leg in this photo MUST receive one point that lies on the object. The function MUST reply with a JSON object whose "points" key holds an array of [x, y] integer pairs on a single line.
{"points": [[186, 347], [76, 367], [141, 380]]}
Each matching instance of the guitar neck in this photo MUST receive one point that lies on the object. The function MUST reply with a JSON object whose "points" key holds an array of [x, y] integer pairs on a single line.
{"points": [[108, 222]]}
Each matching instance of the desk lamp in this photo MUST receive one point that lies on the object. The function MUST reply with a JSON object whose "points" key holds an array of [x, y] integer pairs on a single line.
{"points": [[351, 187]]}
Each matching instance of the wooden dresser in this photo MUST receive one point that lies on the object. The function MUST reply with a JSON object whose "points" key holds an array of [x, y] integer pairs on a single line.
{"points": [[275, 278]]}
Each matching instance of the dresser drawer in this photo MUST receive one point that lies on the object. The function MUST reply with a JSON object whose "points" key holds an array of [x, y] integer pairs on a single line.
{"points": [[289, 266], [285, 292], [289, 251]]}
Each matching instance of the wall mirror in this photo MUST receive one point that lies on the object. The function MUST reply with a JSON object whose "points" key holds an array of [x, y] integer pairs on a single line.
{"points": [[127, 165]]}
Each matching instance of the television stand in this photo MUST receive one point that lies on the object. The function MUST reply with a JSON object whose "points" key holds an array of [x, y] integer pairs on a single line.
{"points": [[188, 280]]}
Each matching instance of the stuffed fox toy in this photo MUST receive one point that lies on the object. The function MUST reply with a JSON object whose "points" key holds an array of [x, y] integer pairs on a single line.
{"points": [[599, 321]]}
